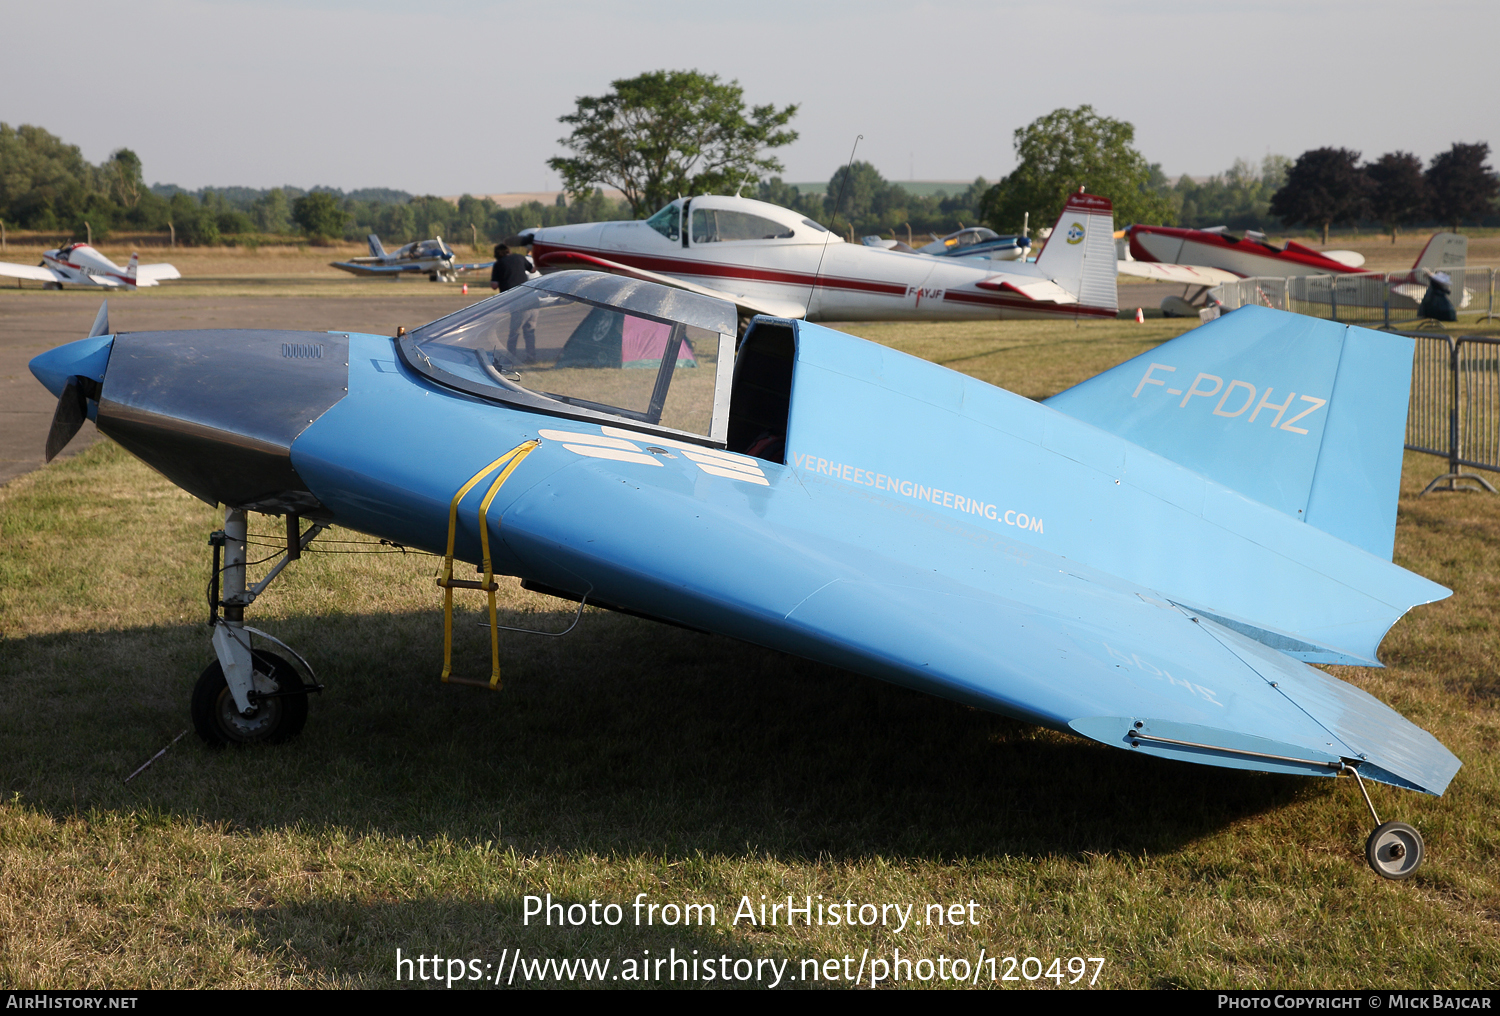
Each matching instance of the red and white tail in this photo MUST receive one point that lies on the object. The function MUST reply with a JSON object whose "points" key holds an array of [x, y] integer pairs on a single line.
{"points": [[1444, 250], [133, 267], [1080, 253]]}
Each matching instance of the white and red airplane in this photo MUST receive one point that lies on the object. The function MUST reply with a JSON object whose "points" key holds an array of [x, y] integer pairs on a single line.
{"points": [[771, 260], [1208, 257], [78, 264]]}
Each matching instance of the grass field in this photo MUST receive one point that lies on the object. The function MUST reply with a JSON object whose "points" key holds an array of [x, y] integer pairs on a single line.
{"points": [[636, 758]]}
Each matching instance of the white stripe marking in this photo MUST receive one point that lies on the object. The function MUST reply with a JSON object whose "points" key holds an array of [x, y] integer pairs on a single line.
{"points": [[700, 458], [734, 474], [594, 451], [667, 442], [593, 439]]}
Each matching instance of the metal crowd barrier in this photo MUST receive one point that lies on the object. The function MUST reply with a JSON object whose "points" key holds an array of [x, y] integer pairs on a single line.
{"points": [[1386, 299], [1455, 407]]}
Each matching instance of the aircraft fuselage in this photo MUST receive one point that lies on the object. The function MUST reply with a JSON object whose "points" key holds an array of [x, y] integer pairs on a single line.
{"points": [[804, 266]]}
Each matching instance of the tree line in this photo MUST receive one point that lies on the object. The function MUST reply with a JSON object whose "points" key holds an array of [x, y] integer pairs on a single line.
{"points": [[48, 186], [670, 133], [1321, 188]]}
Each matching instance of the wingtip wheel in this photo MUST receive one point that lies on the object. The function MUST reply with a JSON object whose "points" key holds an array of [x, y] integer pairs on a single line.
{"points": [[1394, 849]]}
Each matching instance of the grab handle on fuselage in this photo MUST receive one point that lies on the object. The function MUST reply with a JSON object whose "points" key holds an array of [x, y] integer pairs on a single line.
{"points": [[507, 464]]}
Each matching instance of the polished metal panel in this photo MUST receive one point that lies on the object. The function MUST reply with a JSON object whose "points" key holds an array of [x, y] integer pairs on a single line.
{"points": [[643, 298], [216, 411]]}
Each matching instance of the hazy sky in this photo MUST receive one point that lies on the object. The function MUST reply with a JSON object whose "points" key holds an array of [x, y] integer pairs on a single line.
{"points": [[465, 96]]}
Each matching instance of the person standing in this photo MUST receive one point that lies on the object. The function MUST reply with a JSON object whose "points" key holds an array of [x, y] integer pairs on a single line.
{"points": [[511, 270]]}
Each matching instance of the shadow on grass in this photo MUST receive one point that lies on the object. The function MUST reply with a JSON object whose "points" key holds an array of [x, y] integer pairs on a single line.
{"points": [[627, 737]]}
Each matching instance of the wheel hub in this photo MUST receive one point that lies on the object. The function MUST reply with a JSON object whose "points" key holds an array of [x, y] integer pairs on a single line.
{"points": [[1394, 850], [262, 721]]}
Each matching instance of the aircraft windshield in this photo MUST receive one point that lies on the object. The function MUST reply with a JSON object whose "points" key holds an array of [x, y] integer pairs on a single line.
{"points": [[580, 353], [963, 238], [666, 221]]}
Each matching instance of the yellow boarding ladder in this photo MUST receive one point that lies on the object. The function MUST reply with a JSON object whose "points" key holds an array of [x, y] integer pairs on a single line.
{"points": [[509, 461]]}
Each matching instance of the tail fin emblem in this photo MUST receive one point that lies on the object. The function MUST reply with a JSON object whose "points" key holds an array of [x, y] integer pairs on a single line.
{"points": [[1075, 233]]}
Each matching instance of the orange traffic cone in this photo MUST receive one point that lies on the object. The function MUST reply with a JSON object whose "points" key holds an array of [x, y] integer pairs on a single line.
{"points": [[1140, 316], [466, 292]]}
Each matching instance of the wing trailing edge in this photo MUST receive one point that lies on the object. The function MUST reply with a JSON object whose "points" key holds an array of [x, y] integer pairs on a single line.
{"points": [[1193, 275]]}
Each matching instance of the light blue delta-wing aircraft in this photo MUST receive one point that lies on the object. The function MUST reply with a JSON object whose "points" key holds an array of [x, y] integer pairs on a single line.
{"points": [[1150, 560]]}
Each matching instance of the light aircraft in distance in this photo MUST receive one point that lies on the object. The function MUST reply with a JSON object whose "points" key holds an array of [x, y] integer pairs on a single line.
{"points": [[1149, 560], [78, 264], [1208, 257], [771, 260], [432, 258], [972, 242]]}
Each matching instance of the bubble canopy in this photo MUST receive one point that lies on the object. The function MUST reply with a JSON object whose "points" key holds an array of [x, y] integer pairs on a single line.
{"points": [[590, 346]]}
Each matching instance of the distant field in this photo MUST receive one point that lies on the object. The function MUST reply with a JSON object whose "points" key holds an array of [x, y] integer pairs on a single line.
{"points": [[632, 758]]}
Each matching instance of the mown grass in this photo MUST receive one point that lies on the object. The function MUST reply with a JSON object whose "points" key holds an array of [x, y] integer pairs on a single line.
{"points": [[632, 757]]}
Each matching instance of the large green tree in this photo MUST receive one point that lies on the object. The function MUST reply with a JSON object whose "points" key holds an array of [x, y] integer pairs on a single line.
{"points": [[667, 133], [1324, 187], [1068, 149], [44, 182], [319, 215], [1398, 194], [272, 212], [859, 198], [1460, 186], [122, 177]]}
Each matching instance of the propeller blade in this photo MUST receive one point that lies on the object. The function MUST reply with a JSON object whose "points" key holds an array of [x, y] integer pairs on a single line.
{"points": [[101, 321], [72, 410]]}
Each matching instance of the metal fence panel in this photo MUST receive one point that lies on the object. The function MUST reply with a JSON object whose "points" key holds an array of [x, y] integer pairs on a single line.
{"points": [[1429, 417], [1476, 363], [1258, 292], [1388, 299], [1358, 298]]}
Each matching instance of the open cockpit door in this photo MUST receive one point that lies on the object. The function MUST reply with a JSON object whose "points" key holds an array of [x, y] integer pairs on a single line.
{"points": [[761, 400]]}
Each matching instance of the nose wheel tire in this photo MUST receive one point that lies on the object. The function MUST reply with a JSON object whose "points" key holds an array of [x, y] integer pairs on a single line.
{"points": [[275, 718], [1394, 850]]}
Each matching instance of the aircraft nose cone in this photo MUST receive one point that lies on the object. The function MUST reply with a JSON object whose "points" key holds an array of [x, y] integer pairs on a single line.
{"points": [[85, 357]]}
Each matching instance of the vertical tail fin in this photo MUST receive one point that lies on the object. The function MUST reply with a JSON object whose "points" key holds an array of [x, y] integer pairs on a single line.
{"points": [[1444, 250], [1304, 415], [377, 249], [1080, 253], [134, 266]]}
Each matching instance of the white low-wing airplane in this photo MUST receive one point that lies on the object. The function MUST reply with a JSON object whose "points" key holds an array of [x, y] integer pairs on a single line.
{"points": [[78, 264], [771, 260], [1210, 257], [432, 258]]}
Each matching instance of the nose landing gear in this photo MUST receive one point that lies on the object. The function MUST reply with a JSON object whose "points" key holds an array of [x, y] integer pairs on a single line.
{"points": [[278, 704], [248, 695]]}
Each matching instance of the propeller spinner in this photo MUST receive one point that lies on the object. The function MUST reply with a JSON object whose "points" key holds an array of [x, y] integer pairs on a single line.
{"points": [[77, 386]]}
